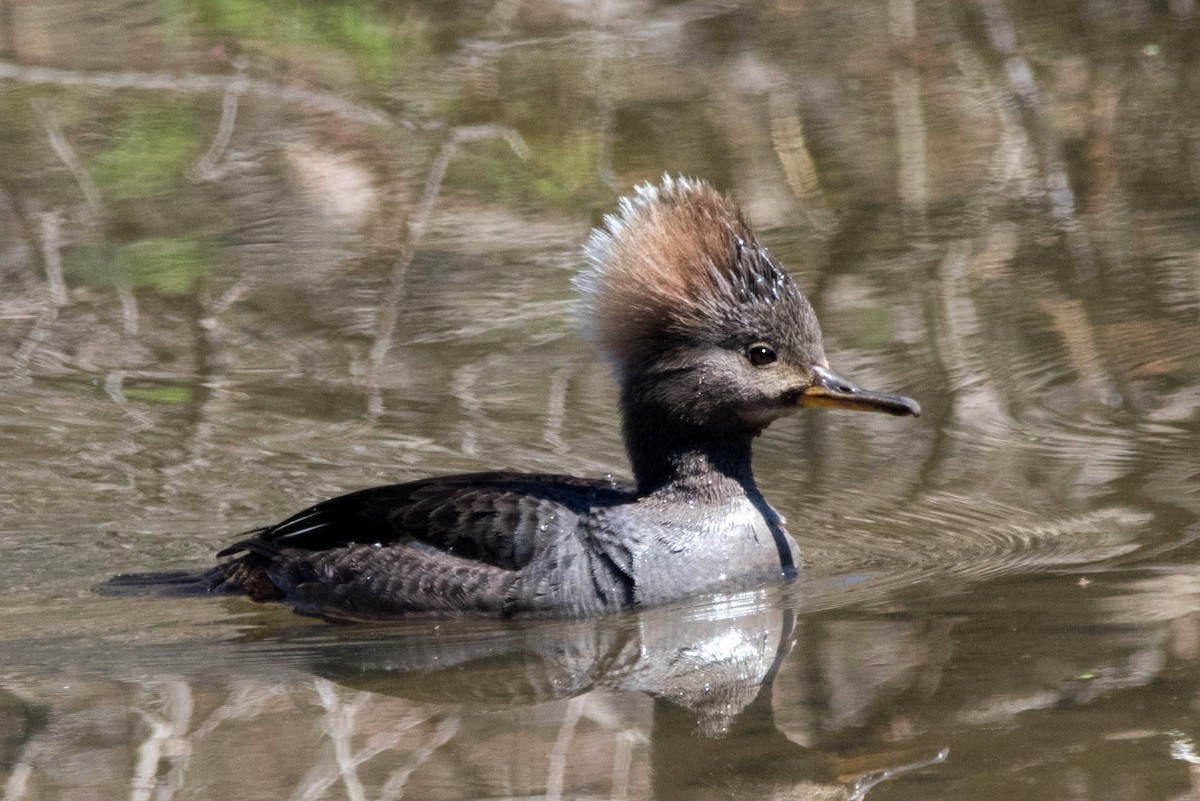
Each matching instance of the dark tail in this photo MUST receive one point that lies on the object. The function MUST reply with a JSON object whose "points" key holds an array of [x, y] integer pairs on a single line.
{"points": [[246, 575], [175, 584]]}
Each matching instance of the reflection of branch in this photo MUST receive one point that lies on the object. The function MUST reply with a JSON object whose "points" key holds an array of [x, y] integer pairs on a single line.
{"points": [[204, 168], [52, 256], [245, 701], [114, 382], [556, 409], [66, 153], [1025, 95], [166, 739], [129, 309], [906, 105], [601, 50], [622, 30], [957, 325], [558, 756], [195, 84], [463, 388], [389, 308], [229, 297], [62, 148], [1069, 318], [622, 764], [18, 776], [339, 724], [799, 169], [213, 383], [51, 230], [393, 788]]}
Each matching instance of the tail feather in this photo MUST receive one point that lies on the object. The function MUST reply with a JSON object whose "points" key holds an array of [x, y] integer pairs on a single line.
{"points": [[244, 576], [177, 583]]}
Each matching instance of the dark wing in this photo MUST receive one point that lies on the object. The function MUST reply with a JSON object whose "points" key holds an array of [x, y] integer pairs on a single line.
{"points": [[492, 518]]}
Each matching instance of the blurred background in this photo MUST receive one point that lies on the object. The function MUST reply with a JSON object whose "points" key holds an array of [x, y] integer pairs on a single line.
{"points": [[253, 254]]}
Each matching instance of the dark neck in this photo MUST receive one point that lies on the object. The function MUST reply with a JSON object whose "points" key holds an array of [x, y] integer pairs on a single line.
{"points": [[666, 458]]}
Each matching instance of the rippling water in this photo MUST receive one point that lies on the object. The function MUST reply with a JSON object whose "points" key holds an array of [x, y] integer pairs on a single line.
{"points": [[253, 255]]}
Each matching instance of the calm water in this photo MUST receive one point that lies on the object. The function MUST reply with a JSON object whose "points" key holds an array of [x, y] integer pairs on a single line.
{"points": [[253, 254]]}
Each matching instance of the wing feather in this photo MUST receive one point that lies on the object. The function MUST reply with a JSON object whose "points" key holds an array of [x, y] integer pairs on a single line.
{"points": [[497, 519]]}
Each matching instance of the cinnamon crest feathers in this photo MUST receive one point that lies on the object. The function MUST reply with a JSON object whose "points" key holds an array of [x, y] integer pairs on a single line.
{"points": [[679, 261]]}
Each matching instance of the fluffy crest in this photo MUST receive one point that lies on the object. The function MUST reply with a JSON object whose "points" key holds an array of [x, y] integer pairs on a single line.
{"points": [[677, 259]]}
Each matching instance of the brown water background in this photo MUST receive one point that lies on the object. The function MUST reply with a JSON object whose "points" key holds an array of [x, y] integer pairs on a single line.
{"points": [[253, 254]]}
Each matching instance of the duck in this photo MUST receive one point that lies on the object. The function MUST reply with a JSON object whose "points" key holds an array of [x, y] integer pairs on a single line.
{"points": [[710, 341]]}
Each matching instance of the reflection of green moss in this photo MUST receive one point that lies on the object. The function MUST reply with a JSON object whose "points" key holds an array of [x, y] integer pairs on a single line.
{"points": [[172, 266], [559, 172], [153, 148], [175, 396], [568, 166], [377, 46], [168, 265]]}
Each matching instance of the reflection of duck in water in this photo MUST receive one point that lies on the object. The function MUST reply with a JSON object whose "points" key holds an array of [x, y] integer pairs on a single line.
{"points": [[711, 342], [708, 669], [710, 660]]}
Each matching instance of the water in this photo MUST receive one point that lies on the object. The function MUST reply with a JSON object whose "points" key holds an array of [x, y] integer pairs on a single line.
{"points": [[253, 255]]}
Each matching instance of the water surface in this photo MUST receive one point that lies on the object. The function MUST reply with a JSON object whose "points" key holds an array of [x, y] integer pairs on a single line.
{"points": [[255, 254]]}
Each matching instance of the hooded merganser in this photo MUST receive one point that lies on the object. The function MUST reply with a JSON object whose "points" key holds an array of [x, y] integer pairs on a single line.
{"points": [[710, 342]]}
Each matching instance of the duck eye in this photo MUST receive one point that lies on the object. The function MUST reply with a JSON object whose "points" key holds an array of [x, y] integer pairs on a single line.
{"points": [[760, 355]]}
